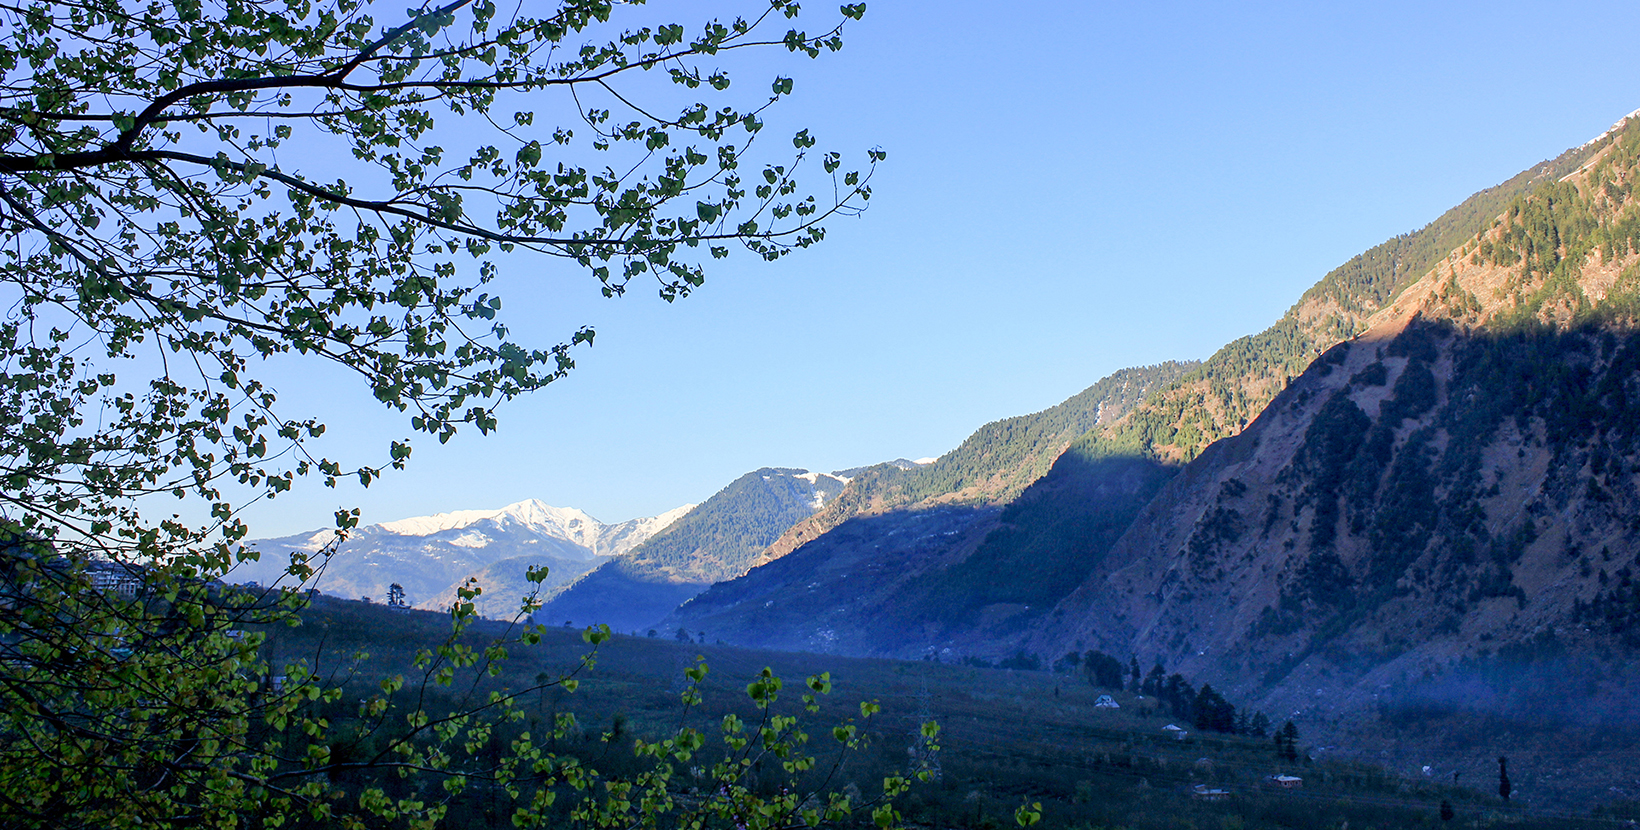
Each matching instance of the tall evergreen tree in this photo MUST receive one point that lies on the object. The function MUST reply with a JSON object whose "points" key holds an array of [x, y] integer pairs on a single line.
{"points": [[1287, 743], [1155, 679], [1260, 725]]}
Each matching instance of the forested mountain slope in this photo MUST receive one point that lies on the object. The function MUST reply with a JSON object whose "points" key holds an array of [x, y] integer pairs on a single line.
{"points": [[1077, 508], [993, 465], [920, 520], [717, 540], [990, 582], [1438, 516]]}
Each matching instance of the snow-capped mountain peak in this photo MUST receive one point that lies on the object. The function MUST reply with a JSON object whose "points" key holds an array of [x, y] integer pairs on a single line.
{"points": [[564, 522], [425, 554], [535, 518]]}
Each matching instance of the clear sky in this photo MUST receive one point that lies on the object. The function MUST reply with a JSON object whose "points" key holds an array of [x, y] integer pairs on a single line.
{"points": [[1071, 188]]}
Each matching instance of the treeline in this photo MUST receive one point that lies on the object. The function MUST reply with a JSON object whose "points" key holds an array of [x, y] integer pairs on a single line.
{"points": [[1002, 458], [1551, 231], [722, 536], [1204, 708], [1238, 381]]}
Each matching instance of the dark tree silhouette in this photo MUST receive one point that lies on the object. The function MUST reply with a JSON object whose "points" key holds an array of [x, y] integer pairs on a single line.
{"points": [[1260, 725], [1155, 679], [1287, 743], [1102, 670]]}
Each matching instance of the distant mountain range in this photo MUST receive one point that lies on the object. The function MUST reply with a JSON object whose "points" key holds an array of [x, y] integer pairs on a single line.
{"points": [[430, 555], [627, 575]]}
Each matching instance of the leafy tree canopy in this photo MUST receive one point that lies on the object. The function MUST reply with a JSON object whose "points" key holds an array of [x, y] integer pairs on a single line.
{"points": [[189, 188], [223, 183]]}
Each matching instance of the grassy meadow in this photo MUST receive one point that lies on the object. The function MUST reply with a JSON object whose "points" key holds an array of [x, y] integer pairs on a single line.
{"points": [[1007, 738]]}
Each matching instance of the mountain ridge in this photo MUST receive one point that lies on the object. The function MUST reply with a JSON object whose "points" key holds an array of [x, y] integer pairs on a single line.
{"points": [[1432, 527], [904, 526], [716, 540], [430, 555], [973, 472], [1066, 521]]}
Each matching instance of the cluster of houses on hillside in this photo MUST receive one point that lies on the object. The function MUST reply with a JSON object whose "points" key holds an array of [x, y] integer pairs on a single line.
{"points": [[1203, 792]]}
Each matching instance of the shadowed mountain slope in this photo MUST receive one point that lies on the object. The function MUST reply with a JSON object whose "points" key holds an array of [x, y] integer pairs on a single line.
{"points": [[993, 465], [1001, 575], [963, 489], [1434, 523], [717, 540]]}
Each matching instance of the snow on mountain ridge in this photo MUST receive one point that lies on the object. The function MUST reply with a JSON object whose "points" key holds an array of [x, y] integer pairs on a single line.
{"points": [[532, 513], [814, 478], [654, 524], [1612, 129], [427, 554], [538, 518]]}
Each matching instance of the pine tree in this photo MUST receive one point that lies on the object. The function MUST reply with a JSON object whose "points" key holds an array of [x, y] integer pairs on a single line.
{"points": [[1154, 680], [1287, 743], [1260, 725]]}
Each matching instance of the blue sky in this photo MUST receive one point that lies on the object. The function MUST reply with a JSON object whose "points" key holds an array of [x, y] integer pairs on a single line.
{"points": [[1071, 188]]}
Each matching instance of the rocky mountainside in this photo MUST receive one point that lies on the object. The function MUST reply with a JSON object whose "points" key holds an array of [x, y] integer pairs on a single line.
{"points": [[1437, 516], [428, 555], [1069, 519], [899, 529], [718, 540], [990, 467], [992, 578]]}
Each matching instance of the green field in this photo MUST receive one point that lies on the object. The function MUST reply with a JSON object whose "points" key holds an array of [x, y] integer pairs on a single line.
{"points": [[1007, 737]]}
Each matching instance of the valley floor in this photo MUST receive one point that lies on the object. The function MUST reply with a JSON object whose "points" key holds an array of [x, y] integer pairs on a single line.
{"points": [[1008, 738]]}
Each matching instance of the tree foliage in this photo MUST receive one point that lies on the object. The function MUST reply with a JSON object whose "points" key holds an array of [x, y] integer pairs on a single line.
{"points": [[1286, 741], [1102, 670], [189, 189], [1233, 386], [154, 196]]}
